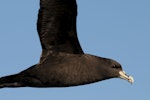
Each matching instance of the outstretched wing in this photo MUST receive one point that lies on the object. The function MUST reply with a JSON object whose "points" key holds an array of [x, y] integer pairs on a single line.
{"points": [[57, 26]]}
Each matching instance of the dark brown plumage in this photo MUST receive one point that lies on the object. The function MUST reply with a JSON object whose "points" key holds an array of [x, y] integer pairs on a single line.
{"points": [[63, 62]]}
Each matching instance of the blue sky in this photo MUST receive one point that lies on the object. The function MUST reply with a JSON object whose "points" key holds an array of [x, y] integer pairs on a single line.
{"points": [[117, 29]]}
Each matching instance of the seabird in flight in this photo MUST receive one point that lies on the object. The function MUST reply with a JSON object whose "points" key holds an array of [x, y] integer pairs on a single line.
{"points": [[63, 62]]}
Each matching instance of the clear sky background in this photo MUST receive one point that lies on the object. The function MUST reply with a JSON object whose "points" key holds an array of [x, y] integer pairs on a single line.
{"points": [[117, 29]]}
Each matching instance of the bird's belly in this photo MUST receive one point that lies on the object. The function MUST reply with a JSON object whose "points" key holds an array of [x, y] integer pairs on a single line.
{"points": [[69, 79]]}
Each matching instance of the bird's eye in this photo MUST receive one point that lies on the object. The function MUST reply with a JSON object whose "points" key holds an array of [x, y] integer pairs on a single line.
{"points": [[114, 66]]}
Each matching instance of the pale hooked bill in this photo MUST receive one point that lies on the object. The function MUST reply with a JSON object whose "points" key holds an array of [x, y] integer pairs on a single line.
{"points": [[124, 76]]}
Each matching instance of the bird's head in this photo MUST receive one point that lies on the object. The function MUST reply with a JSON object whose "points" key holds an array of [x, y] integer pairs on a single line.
{"points": [[112, 69]]}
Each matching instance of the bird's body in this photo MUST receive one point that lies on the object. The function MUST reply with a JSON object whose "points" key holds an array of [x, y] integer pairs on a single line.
{"points": [[63, 62], [62, 70]]}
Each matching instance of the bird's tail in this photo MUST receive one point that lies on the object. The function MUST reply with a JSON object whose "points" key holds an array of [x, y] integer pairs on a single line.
{"points": [[9, 81]]}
